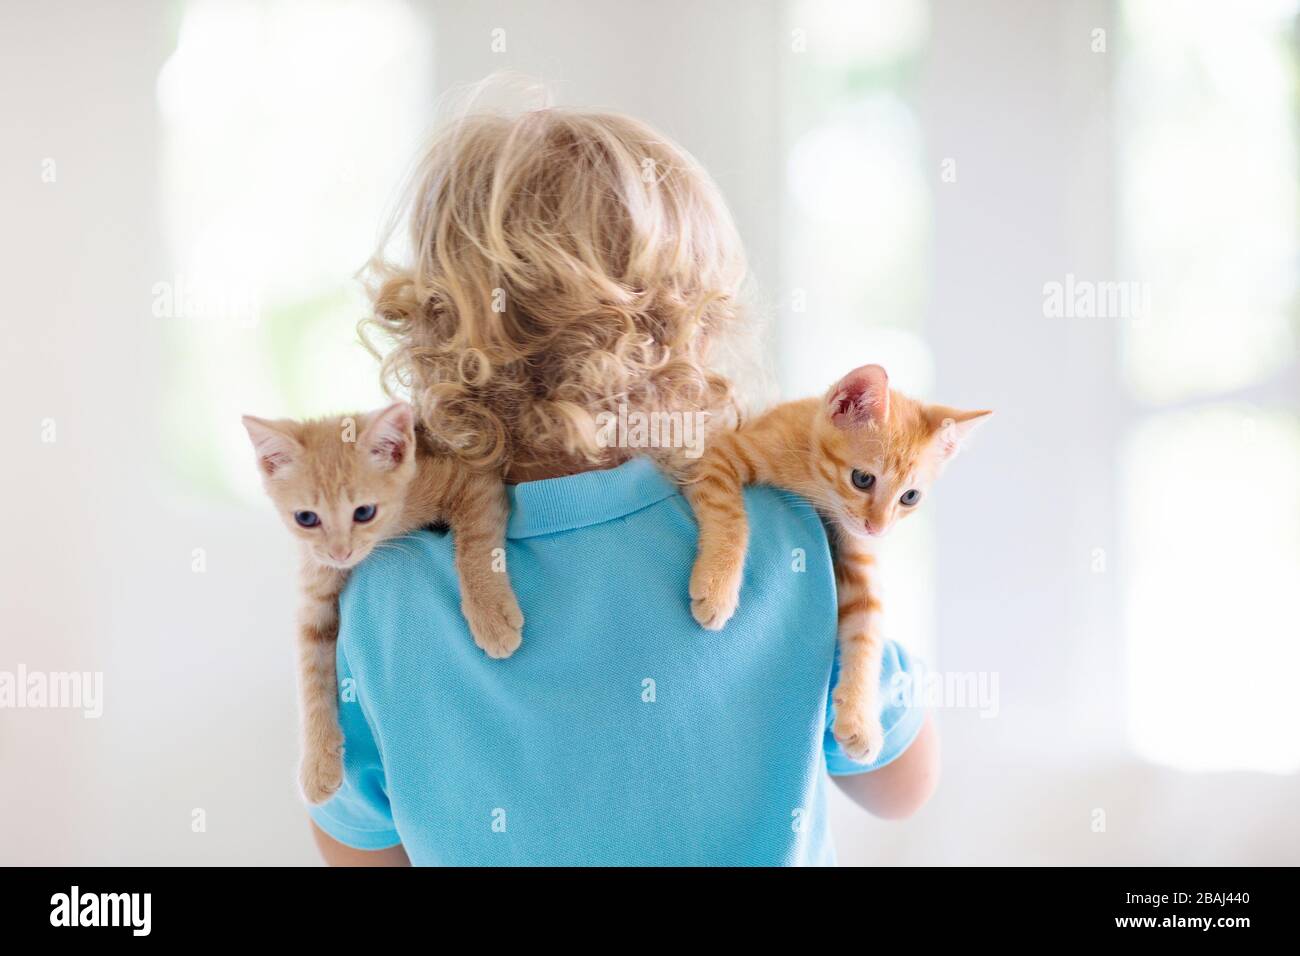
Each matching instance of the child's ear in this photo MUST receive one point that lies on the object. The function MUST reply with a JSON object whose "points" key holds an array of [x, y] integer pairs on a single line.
{"points": [[390, 436], [952, 427], [859, 398], [276, 448]]}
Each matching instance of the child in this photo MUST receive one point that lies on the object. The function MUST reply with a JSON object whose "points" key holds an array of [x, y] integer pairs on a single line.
{"points": [[566, 267]]}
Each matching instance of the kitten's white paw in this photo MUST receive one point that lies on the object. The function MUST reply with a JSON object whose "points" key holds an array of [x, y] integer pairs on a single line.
{"points": [[715, 591], [859, 733], [712, 615], [497, 626], [321, 773]]}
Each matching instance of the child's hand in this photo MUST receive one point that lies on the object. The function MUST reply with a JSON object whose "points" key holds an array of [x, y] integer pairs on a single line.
{"points": [[901, 787]]}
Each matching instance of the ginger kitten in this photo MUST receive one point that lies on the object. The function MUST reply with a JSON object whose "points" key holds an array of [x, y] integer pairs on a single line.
{"points": [[342, 487], [865, 457]]}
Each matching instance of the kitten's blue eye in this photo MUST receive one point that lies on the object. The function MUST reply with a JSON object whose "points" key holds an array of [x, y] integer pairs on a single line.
{"points": [[364, 514], [862, 481], [306, 519], [910, 497]]}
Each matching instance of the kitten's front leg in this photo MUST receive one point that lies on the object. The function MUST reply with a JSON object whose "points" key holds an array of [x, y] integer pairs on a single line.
{"points": [[478, 522], [717, 498], [321, 772], [857, 694]]}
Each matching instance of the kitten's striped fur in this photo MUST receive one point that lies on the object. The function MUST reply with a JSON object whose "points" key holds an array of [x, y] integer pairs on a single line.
{"points": [[813, 447], [331, 467]]}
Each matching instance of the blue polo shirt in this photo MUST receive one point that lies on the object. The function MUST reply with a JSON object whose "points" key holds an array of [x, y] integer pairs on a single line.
{"points": [[621, 732]]}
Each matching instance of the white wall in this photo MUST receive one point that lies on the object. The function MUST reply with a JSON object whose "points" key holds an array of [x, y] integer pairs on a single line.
{"points": [[76, 84], [97, 573]]}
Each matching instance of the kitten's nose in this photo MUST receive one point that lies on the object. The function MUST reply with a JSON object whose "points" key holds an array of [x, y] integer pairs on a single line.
{"points": [[340, 555]]}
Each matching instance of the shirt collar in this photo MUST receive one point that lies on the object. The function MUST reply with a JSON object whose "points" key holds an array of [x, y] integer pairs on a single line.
{"points": [[590, 497]]}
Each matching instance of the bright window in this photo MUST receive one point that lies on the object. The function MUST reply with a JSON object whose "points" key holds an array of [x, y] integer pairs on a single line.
{"points": [[1210, 218], [286, 127]]}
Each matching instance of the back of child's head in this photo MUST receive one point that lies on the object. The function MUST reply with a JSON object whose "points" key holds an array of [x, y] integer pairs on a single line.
{"points": [[561, 264]]}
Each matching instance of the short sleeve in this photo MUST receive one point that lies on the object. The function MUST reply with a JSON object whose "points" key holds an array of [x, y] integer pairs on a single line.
{"points": [[359, 815], [902, 712]]}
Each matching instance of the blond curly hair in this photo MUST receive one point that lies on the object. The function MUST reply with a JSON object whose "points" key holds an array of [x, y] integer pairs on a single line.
{"points": [[560, 264]]}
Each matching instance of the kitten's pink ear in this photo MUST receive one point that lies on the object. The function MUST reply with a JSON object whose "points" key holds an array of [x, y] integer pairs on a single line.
{"points": [[952, 427], [860, 397], [390, 436], [276, 449]]}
